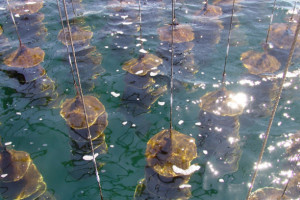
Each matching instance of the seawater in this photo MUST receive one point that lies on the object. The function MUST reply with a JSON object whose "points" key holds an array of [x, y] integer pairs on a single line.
{"points": [[41, 131]]}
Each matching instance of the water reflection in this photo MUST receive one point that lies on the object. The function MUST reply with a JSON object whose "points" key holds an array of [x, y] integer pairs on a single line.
{"points": [[219, 130], [258, 84], [141, 91], [87, 56], [73, 112], [24, 65], [20, 178]]}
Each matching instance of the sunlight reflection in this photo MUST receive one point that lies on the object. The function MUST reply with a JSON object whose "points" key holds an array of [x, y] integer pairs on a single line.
{"points": [[262, 166]]}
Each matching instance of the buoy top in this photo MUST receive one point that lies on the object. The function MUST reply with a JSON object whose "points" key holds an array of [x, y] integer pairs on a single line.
{"points": [[25, 57], [163, 153], [143, 65], [72, 111], [259, 63]]}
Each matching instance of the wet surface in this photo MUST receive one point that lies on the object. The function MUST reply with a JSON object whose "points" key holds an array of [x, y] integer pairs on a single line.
{"points": [[128, 72]]}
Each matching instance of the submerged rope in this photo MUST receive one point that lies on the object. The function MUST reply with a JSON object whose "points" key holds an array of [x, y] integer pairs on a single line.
{"points": [[275, 107], [292, 17], [228, 45], [271, 20], [69, 56], [83, 104], [13, 19], [140, 19], [172, 63]]}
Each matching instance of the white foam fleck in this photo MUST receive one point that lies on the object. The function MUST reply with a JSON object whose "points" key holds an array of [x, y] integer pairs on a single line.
{"points": [[139, 72], [198, 123], [3, 175], [18, 113], [161, 103], [30, 2], [185, 186], [185, 172], [205, 152], [221, 180], [180, 122], [89, 157], [7, 143], [126, 23], [124, 16], [143, 51], [115, 94], [153, 73]]}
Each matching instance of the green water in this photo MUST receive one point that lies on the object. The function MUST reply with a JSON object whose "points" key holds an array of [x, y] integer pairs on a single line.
{"points": [[42, 132]]}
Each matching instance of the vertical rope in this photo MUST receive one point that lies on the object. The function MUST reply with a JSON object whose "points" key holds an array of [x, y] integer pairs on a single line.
{"points": [[140, 19], [69, 56], [292, 17], [83, 104], [13, 19], [172, 63], [228, 45], [271, 20], [275, 107]]}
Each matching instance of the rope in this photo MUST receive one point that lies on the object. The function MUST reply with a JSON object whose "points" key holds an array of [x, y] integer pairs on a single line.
{"points": [[140, 18], [83, 104], [275, 107], [13, 19], [69, 56], [228, 44], [292, 17], [172, 64], [271, 20]]}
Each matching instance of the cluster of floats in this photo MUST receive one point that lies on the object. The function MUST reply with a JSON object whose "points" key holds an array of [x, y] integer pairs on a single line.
{"points": [[169, 153]]}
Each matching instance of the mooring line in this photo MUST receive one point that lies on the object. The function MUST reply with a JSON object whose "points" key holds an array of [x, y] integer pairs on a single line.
{"points": [[172, 65], [228, 45], [271, 21], [83, 104], [69, 56], [294, 9], [140, 19], [274, 108], [13, 19]]}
